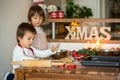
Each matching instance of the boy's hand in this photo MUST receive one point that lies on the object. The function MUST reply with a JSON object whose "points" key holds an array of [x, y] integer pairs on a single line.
{"points": [[55, 47]]}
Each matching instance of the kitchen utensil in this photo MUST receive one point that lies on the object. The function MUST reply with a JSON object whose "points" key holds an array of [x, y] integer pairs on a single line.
{"points": [[112, 61], [38, 63]]}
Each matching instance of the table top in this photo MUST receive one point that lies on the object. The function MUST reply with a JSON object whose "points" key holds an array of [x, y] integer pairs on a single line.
{"points": [[79, 70]]}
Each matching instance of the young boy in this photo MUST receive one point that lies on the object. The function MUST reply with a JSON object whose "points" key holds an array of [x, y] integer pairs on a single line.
{"points": [[24, 51]]}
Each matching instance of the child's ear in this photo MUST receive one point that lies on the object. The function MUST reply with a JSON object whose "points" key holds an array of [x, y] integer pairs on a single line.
{"points": [[19, 38]]}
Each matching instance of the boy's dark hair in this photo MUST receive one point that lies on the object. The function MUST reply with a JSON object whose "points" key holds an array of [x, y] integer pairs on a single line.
{"points": [[22, 28], [35, 9]]}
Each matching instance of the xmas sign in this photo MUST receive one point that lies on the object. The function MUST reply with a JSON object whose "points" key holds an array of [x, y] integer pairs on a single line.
{"points": [[84, 33]]}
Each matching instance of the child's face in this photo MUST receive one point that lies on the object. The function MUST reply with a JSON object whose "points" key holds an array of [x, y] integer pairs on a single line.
{"points": [[27, 40], [36, 20]]}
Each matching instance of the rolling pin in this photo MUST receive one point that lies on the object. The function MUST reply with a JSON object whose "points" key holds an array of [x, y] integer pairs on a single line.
{"points": [[38, 63]]}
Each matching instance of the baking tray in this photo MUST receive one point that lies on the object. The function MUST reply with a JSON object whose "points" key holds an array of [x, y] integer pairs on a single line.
{"points": [[112, 61]]}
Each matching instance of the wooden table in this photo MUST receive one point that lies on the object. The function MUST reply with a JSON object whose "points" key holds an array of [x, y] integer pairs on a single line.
{"points": [[80, 73]]}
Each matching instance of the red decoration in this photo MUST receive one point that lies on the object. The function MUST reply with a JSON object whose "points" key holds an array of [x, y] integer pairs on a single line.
{"points": [[71, 66], [55, 15]]}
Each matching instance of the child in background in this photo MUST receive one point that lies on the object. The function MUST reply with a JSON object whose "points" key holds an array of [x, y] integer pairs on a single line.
{"points": [[36, 17], [24, 51]]}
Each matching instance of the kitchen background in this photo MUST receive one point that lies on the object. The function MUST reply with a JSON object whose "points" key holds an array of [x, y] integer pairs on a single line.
{"points": [[13, 12]]}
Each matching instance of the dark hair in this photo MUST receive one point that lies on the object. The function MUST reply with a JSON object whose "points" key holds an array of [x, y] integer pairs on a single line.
{"points": [[22, 28], [35, 9]]}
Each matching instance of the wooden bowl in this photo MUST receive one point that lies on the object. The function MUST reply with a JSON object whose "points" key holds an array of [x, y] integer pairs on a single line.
{"points": [[107, 52], [60, 54]]}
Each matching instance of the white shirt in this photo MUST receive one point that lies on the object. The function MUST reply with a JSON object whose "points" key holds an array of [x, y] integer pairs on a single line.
{"points": [[20, 54]]}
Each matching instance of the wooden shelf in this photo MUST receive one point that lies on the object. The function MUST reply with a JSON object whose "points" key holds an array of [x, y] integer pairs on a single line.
{"points": [[84, 41], [85, 20], [92, 20]]}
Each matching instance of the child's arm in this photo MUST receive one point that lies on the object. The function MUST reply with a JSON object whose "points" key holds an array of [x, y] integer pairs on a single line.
{"points": [[18, 55], [46, 53]]}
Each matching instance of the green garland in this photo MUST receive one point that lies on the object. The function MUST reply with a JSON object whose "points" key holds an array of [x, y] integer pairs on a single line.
{"points": [[75, 11]]}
